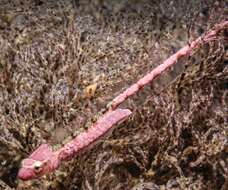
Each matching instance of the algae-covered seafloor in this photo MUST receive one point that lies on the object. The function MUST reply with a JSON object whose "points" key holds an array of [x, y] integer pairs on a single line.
{"points": [[61, 62]]}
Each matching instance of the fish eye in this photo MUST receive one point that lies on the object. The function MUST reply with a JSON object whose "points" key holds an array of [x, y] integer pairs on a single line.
{"points": [[37, 166]]}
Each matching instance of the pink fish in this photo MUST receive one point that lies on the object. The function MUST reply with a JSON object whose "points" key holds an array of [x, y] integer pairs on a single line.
{"points": [[44, 160]]}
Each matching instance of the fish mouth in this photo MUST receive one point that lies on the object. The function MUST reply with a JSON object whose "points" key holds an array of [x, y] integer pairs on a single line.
{"points": [[25, 174]]}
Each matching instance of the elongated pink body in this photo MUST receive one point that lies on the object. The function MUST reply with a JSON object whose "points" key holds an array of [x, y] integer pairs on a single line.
{"points": [[167, 64], [99, 129], [44, 160]]}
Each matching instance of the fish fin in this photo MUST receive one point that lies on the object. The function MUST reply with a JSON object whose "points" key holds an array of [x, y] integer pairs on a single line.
{"points": [[43, 152]]}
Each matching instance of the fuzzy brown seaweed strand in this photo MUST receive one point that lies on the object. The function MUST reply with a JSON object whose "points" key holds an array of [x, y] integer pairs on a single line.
{"points": [[133, 89], [43, 160]]}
